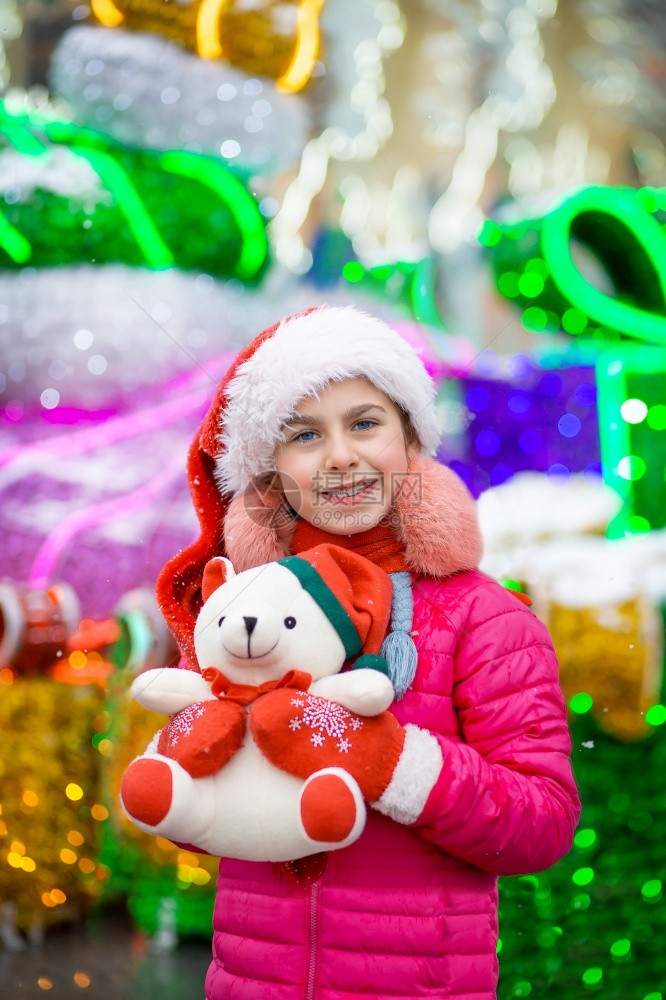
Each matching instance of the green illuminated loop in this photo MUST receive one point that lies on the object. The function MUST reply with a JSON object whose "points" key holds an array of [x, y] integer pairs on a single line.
{"points": [[13, 242], [22, 139], [238, 200], [624, 206], [143, 228]]}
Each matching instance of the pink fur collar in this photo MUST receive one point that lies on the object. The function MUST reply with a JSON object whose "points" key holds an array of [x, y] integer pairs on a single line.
{"points": [[435, 518]]}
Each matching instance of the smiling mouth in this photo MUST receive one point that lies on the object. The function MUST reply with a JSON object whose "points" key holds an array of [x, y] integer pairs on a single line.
{"points": [[249, 656], [344, 492]]}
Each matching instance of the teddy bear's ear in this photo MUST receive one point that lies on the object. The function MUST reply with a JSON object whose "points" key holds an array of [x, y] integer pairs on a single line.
{"points": [[217, 572]]}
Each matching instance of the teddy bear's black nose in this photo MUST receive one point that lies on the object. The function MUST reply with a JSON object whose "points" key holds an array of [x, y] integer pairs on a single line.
{"points": [[249, 625]]}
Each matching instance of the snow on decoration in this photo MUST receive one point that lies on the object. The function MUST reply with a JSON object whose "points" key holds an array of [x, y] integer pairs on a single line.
{"points": [[146, 90], [601, 599]]}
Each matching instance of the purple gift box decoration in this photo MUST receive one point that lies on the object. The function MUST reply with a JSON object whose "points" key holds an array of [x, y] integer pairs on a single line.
{"points": [[527, 417]]}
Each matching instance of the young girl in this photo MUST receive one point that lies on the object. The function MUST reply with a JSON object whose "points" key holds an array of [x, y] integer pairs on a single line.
{"points": [[321, 431]]}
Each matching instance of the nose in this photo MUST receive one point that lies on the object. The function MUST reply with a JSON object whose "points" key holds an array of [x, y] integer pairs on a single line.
{"points": [[341, 453], [249, 625]]}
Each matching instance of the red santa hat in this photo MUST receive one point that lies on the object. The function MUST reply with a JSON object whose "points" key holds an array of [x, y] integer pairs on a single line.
{"points": [[302, 356], [287, 362]]}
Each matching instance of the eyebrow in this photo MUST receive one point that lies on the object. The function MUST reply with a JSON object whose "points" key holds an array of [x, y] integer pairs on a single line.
{"points": [[300, 419]]}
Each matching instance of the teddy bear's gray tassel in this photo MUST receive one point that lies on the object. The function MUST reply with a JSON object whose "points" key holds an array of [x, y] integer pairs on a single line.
{"points": [[398, 648]]}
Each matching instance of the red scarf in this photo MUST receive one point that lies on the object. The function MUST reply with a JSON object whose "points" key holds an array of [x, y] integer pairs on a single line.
{"points": [[378, 544]]}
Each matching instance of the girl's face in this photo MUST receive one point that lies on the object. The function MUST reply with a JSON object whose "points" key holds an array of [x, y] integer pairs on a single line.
{"points": [[343, 456]]}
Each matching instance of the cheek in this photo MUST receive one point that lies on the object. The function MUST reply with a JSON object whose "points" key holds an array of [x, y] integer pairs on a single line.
{"points": [[296, 479], [394, 459]]}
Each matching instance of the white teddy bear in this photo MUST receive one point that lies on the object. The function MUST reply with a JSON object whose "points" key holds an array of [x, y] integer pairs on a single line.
{"points": [[271, 751]]}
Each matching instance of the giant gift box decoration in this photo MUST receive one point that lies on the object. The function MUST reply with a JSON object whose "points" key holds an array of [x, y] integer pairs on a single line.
{"points": [[632, 421], [81, 196], [529, 417], [591, 263]]}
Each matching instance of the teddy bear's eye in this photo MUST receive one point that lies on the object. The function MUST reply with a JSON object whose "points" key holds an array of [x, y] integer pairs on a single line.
{"points": [[290, 622], [221, 620]]}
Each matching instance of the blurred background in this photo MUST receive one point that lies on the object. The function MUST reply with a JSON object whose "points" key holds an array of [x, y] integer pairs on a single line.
{"points": [[489, 176]]}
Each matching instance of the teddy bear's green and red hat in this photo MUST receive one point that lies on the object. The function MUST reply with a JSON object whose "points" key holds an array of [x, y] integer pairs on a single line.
{"points": [[354, 594]]}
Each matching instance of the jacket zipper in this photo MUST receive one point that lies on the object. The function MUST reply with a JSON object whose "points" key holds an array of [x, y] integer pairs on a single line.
{"points": [[313, 913]]}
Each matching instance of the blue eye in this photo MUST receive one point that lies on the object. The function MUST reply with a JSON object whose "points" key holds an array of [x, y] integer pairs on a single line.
{"points": [[370, 423], [290, 622], [303, 436]]}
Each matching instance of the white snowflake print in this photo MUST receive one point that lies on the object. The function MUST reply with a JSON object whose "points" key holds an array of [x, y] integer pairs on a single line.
{"points": [[183, 723], [326, 718], [298, 702]]}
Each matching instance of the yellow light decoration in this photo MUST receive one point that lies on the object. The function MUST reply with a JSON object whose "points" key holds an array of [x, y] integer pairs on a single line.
{"points": [[250, 41], [74, 792], [244, 35], [613, 653], [107, 13], [209, 45], [173, 20], [77, 659], [132, 728], [307, 47], [45, 725]]}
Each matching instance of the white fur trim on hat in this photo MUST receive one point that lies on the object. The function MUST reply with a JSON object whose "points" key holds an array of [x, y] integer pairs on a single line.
{"points": [[305, 353]]}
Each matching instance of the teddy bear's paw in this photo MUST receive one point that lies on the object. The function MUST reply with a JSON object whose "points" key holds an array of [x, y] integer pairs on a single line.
{"points": [[146, 790], [301, 733], [163, 799], [332, 807], [204, 736]]}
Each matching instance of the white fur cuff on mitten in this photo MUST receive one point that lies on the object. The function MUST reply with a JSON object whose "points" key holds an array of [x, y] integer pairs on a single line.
{"points": [[414, 778]]}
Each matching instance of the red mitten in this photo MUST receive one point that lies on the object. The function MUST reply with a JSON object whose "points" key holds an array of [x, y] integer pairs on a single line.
{"points": [[301, 733], [203, 737]]}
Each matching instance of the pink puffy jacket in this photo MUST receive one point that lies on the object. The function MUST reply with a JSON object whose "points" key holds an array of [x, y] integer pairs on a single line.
{"points": [[411, 911]]}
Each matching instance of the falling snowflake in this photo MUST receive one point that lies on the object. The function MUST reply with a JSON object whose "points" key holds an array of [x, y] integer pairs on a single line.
{"points": [[344, 746], [317, 739], [295, 724], [183, 723]]}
